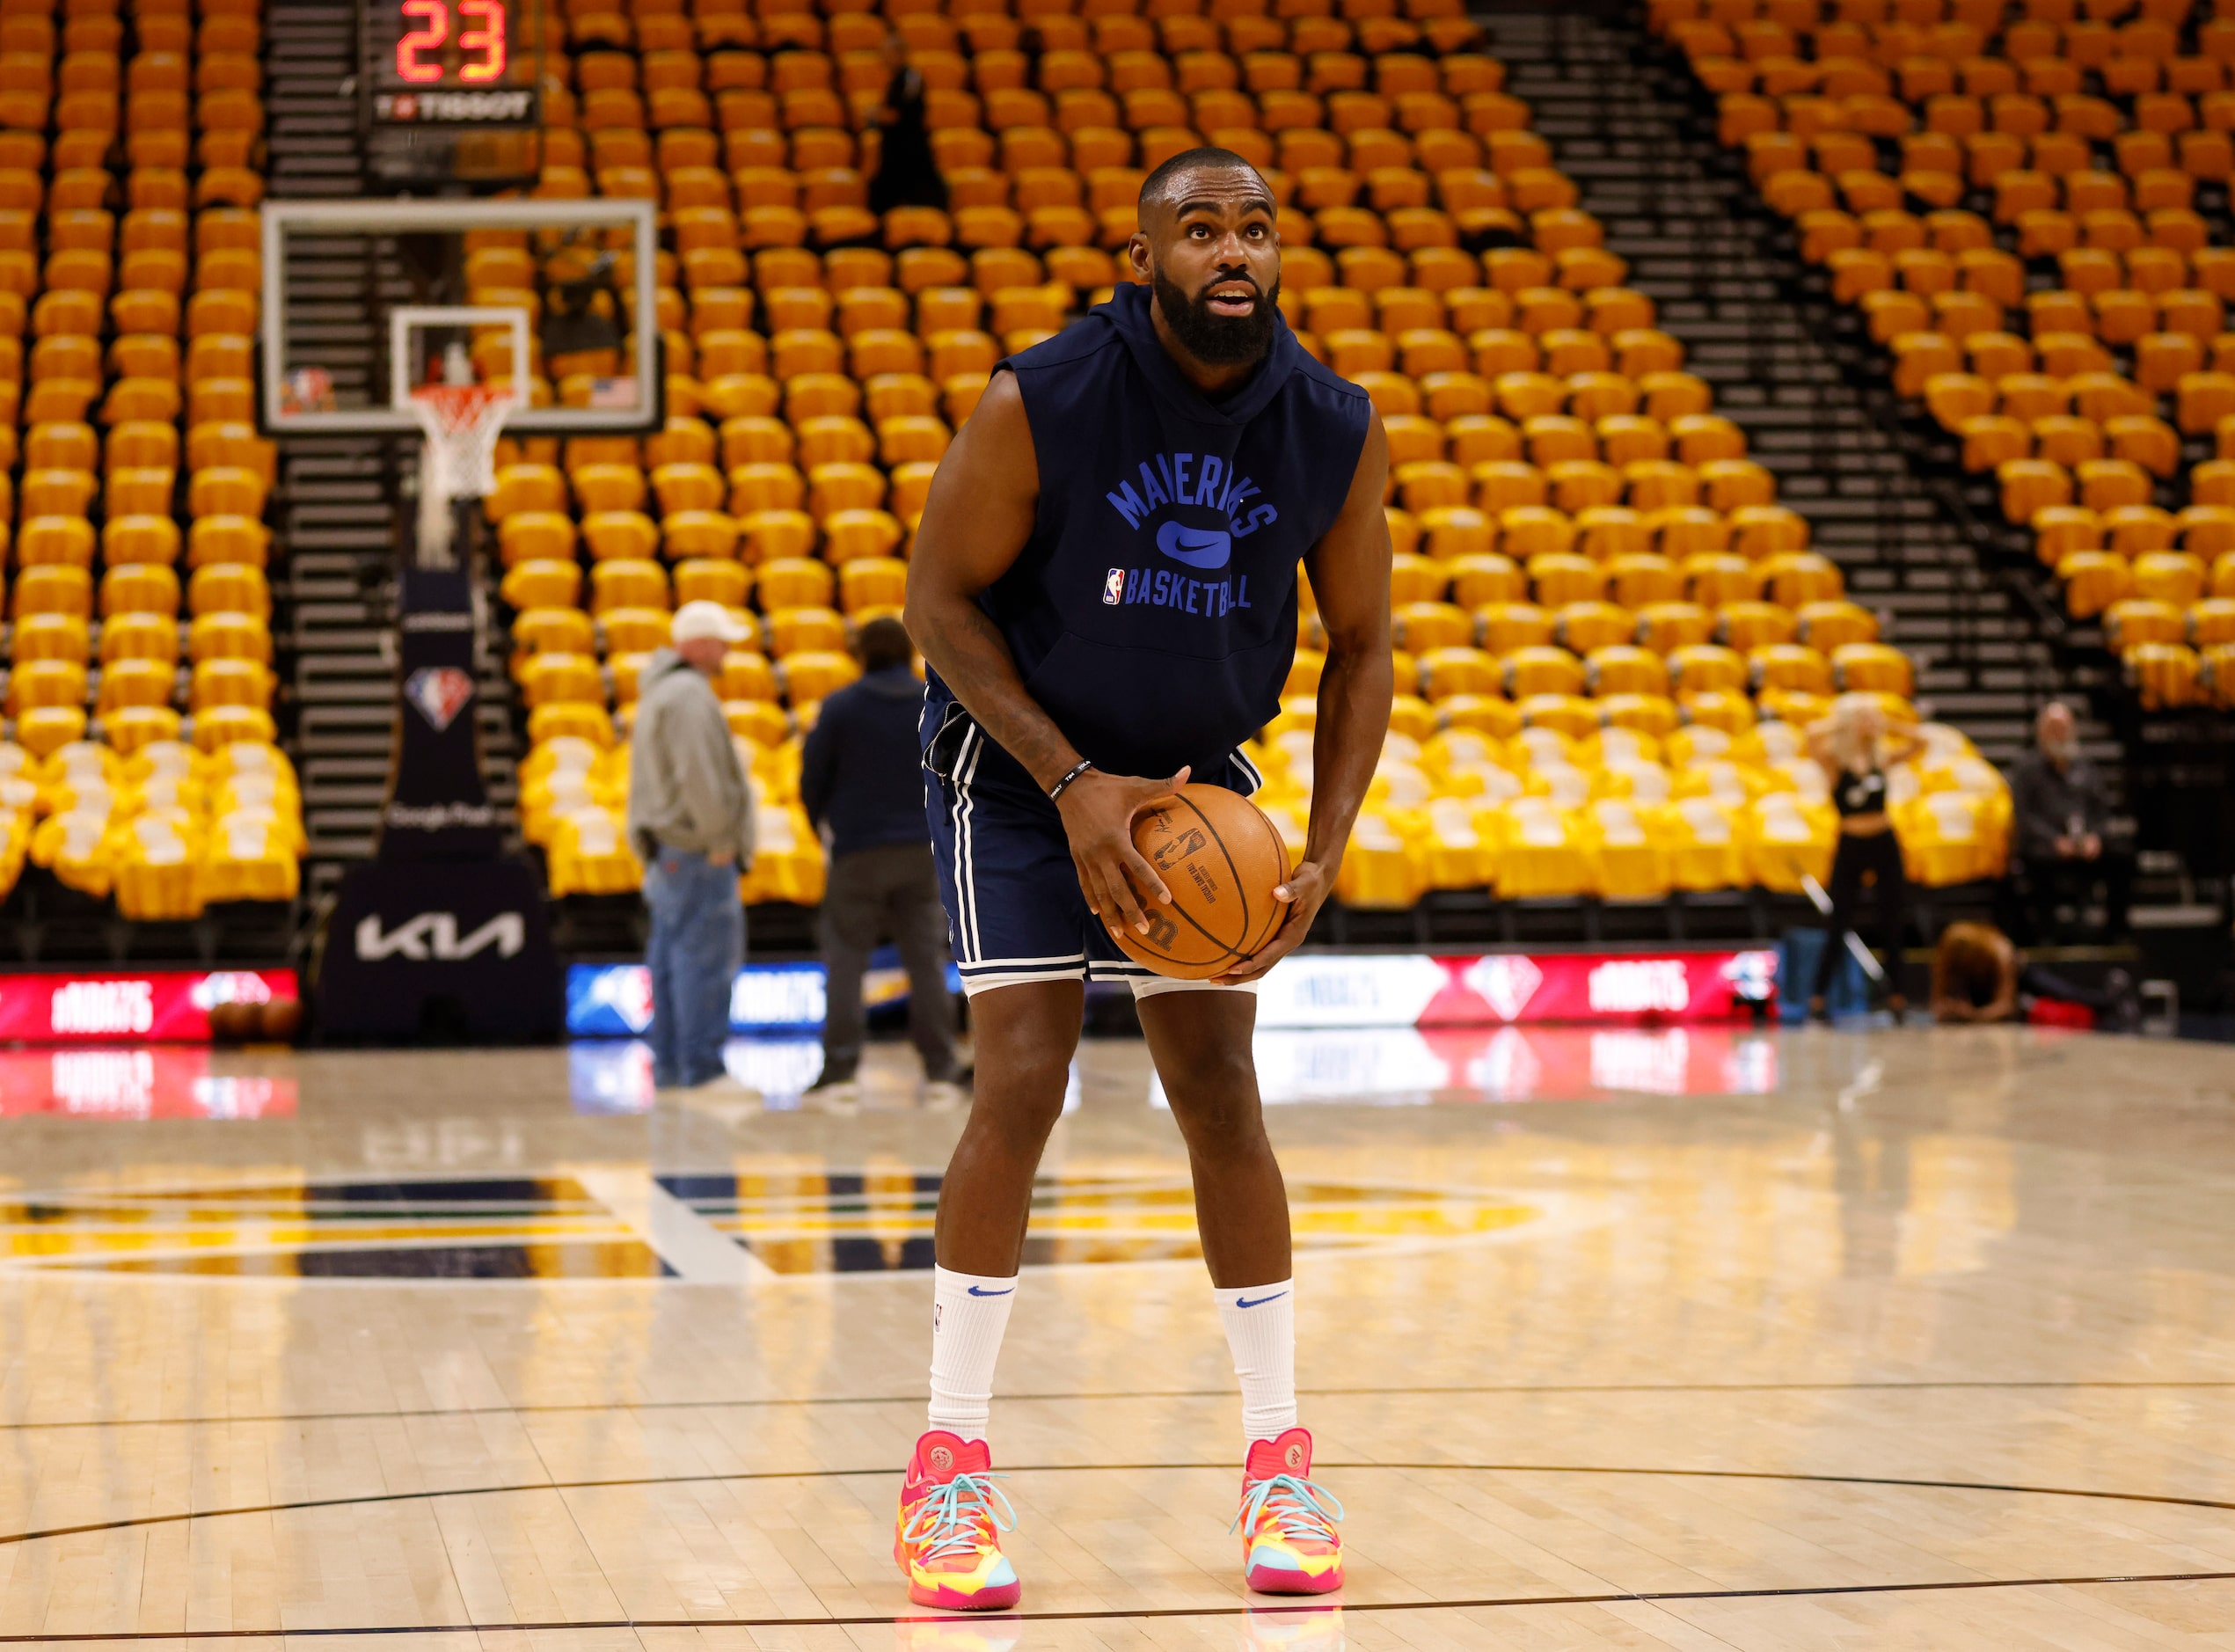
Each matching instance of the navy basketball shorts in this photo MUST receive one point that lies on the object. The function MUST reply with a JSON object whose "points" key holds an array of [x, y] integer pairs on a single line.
{"points": [[1014, 909]]}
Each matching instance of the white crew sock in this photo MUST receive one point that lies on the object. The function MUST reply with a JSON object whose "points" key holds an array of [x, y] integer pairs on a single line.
{"points": [[969, 1314], [1260, 1329]]}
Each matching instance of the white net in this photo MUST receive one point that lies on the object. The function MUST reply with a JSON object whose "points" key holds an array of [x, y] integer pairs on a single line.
{"points": [[462, 423]]}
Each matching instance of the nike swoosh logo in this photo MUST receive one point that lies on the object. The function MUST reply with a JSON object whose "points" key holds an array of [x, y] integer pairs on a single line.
{"points": [[1244, 1302], [1197, 547], [976, 1293]]}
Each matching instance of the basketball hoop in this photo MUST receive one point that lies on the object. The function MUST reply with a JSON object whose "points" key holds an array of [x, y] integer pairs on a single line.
{"points": [[460, 415], [462, 423]]}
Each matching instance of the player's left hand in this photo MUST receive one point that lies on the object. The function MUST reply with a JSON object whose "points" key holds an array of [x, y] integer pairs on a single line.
{"points": [[1306, 890]]}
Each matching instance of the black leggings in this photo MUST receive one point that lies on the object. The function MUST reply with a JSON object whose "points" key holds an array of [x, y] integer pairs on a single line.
{"points": [[1881, 854]]}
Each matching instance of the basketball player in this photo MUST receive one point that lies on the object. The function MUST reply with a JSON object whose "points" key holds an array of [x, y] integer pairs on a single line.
{"points": [[1104, 587]]}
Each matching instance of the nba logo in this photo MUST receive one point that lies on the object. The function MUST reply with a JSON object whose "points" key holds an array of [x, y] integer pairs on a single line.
{"points": [[1114, 587]]}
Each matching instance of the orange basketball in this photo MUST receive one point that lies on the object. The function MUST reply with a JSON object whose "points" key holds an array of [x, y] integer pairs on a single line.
{"points": [[1220, 858]]}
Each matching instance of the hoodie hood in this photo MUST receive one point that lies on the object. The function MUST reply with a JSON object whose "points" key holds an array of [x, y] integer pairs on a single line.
{"points": [[661, 662], [894, 681], [1129, 312]]}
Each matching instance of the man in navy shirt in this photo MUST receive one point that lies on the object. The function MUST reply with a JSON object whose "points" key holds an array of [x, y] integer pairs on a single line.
{"points": [[1104, 586], [860, 781]]}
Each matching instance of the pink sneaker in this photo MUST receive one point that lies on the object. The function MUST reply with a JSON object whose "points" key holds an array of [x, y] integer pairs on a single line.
{"points": [[947, 1538], [1289, 1545]]}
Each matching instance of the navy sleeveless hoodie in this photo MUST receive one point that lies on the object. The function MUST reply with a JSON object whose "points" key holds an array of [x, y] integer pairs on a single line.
{"points": [[1152, 613]]}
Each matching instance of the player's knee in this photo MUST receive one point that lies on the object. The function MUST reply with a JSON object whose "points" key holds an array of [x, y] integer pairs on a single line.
{"points": [[1021, 1097], [1217, 1102]]}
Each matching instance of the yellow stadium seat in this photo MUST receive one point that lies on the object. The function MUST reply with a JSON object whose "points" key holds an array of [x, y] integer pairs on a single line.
{"points": [[1665, 627], [527, 487], [53, 589], [872, 581], [228, 681], [627, 582], [2165, 676], [1539, 851], [1747, 627], [1419, 627], [794, 583], [548, 679], [46, 682], [1567, 714], [223, 725], [1787, 837], [137, 682], [1703, 668], [1949, 836], [2136, 620], [1788, 665], [1533, 669], [1625, 669], [1701, 841], [1505, 627], [248, 858], [1583, 626], [1622, 851], [849, 535], [1870, 667]]}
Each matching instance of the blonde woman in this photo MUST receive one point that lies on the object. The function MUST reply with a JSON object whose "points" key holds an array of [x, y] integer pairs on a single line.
{"points": [[1856, 746]]}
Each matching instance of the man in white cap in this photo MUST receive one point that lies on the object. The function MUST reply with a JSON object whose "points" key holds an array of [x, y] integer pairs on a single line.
{"points": [[691, 819]]}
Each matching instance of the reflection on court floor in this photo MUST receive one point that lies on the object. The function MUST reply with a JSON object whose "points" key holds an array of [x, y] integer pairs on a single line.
{"points": [[1381, 1066], [159, 1081]]}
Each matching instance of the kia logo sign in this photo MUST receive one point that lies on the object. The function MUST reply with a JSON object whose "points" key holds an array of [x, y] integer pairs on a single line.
{"points": [[434, 936]]}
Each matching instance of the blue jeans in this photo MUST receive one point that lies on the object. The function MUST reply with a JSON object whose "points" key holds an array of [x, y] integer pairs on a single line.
{"points": [[697, 943]]}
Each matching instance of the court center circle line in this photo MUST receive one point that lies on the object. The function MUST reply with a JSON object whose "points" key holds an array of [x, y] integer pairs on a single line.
{"points": [[138, 1522]]}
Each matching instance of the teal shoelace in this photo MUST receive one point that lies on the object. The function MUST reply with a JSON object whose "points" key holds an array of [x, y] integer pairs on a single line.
{"points": [[1301, 1508], [946, 1521]]}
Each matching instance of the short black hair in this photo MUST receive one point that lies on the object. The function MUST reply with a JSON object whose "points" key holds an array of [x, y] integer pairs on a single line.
{"points": [[884, 642], [1189, 160]]}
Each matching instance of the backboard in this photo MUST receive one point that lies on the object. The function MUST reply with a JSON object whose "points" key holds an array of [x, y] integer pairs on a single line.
{"points": [[583, 273]]}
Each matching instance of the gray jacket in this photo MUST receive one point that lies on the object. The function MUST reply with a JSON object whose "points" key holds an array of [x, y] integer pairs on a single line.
{"points": [[686, 788]]}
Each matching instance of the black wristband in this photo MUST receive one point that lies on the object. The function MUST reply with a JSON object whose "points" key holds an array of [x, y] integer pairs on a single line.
{"points": [[1057, 790]]}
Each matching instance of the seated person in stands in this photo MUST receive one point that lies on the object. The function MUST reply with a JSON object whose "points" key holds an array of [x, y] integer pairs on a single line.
{"points": [[2061, 815], [1979, 976], [581, 327]]}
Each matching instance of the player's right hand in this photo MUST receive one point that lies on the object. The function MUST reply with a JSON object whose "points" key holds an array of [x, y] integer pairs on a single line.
{"points": [[1099, 811]]}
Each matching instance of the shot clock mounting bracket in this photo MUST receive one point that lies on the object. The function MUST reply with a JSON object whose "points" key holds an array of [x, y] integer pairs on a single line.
{"points": [[451, 92]]}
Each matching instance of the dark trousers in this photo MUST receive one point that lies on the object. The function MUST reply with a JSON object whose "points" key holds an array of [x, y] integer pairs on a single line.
{"points": [[2049, 883], [1856, 856], [873, 893]]}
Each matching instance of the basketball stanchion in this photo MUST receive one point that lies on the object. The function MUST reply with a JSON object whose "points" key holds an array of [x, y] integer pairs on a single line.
{"points": [[442, 924]]}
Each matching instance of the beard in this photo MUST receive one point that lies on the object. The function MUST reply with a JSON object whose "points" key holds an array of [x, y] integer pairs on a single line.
{"points": [[1214, 339]]}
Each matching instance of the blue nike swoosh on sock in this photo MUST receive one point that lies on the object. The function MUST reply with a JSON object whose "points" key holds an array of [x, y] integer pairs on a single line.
{"points": [[1244, 1302], [976, 1293]]}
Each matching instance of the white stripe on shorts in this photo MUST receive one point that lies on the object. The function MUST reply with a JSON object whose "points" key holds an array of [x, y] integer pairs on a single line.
{"points": [[965, 888]]}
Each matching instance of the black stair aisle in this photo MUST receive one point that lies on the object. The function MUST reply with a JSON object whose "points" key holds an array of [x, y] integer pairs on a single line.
{"points": [[336, 499], [1691, 231]]}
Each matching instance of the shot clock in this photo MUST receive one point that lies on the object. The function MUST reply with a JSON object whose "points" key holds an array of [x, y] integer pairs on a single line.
{"points": [[462, 65]]}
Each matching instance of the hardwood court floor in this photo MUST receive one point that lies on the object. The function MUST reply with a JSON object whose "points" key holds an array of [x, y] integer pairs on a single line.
{"points": [[1649, 1340]]}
